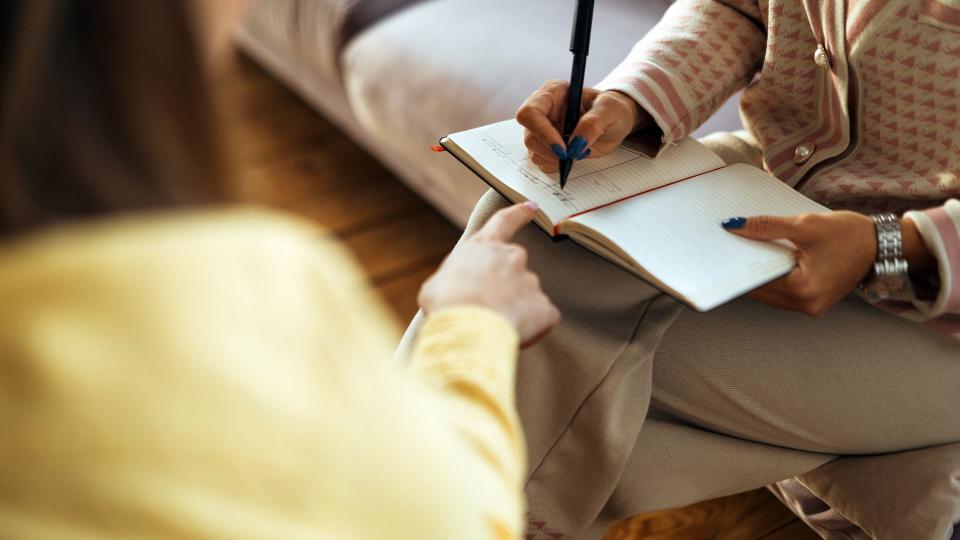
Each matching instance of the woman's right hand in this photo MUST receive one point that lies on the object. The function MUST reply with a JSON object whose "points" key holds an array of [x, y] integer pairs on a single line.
{"points": [[607, 117], [488, 270]]}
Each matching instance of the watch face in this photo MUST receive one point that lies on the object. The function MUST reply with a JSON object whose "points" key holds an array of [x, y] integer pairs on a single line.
{"points": [[883, 287]]}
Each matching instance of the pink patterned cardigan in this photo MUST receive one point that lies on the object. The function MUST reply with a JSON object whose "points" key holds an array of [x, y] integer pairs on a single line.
{"points": [[855, 103]]}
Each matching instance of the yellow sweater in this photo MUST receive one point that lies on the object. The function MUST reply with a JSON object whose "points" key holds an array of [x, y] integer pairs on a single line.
{"points": [[226, 375]]}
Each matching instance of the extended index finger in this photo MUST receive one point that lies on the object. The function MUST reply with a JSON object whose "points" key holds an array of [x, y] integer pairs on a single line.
{"points": [[507, 222], [790, 228]]}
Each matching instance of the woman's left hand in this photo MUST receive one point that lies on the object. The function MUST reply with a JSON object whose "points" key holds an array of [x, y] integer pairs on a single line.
{"points": [[835, 252]]}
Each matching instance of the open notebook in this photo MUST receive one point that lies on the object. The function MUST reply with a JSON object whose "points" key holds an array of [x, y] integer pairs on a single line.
{"points": [[658, 218]]}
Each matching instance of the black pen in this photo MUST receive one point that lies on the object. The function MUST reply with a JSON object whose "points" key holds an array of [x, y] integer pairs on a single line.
{"points": [[580, 47]]}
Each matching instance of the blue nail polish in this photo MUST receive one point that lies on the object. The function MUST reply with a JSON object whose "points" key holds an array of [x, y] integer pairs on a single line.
{"points": [[734, 223], [559, 151], [576, 146], [585, 154]]}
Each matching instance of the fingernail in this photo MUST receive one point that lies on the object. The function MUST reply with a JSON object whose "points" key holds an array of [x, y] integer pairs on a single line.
{"points": [[585, 155], [576, 146], [559, 151], [734, 223], [532, 205]]}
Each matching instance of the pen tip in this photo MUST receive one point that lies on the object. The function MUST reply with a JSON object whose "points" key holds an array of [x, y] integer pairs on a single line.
{"points": [[565, 166]]}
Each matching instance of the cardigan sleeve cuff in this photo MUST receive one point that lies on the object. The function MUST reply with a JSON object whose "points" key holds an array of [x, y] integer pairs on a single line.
{"points": [[657, 94], [468, 355], [468, 343], [940, 230]]}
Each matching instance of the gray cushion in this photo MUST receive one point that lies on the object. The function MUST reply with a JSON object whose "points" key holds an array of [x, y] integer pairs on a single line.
{"points": [[366, 13], [312, 33]]}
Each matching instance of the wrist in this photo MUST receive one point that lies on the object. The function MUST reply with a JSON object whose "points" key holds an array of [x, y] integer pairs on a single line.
{"points": [[889, 279], [466, 303], [638, 117], [914, 250], [867, 233]]}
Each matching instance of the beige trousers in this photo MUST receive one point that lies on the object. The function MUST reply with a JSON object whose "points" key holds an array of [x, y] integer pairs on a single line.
{"points": [[634, 404]]}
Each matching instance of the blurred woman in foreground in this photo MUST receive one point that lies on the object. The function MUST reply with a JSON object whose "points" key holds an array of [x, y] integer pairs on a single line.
{"points": [[174, 369]]}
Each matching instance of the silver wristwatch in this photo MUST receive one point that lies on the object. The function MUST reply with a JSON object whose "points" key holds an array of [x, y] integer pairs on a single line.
{"points": [[890, 278]]}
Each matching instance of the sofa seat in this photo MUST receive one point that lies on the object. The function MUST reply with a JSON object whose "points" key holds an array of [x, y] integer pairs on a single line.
{"points": [[314, 32], [300, 42]]}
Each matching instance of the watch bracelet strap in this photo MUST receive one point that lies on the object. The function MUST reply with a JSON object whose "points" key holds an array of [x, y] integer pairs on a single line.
{"points": [[891, 267], [889, 237], [890, 260]]}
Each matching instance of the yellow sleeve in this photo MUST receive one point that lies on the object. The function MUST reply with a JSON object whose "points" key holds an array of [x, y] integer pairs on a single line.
{"points": [[247, 394], [468, 356]]}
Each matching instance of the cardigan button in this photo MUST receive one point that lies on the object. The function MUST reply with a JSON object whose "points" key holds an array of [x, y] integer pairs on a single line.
{"points": [[821, 58], [947, 181], [803, 153]]}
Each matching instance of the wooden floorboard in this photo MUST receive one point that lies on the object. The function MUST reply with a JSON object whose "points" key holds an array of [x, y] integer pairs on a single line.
{"points": [[795, 530], [407, 243], [752, 515], [291, 158]]}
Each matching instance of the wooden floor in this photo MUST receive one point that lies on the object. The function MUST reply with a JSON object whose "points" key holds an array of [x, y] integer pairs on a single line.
{"points": [[291, 158]]}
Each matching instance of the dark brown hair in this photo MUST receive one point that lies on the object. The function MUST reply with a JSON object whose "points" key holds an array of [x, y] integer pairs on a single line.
{"points": [[105, 107]]}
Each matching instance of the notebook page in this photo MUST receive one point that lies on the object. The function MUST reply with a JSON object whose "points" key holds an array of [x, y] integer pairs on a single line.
{"points": [[499, 149], [675, 235]]}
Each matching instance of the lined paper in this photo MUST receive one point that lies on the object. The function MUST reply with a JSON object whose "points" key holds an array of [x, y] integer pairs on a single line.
{"points": [[499, 149], [674, 233]]}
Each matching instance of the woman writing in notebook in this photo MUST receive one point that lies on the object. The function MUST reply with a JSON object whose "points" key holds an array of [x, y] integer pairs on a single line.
{"points": [[834, 251], [634, 404], [174, 368]]}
